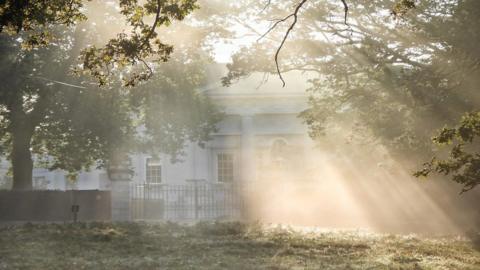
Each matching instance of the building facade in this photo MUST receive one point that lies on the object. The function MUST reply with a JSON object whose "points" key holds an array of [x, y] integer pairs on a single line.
{"points": [[260, 136]]}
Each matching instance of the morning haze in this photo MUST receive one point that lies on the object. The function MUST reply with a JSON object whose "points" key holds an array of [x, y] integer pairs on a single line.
{"points": [[204, 134]]}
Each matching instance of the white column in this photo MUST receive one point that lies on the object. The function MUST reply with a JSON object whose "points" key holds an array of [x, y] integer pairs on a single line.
{"points": [[247, 157]]}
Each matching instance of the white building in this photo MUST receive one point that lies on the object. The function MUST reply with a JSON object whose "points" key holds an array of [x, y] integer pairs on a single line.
{"points": [[261, 131]]}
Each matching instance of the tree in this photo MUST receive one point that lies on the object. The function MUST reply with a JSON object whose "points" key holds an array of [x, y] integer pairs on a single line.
{"points": [[463, 161], [394, 72], [69, 123], [35, 18]]}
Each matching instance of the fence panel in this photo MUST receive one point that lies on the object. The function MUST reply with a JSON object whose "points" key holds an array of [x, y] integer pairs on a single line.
{"points": [[186, 202]]}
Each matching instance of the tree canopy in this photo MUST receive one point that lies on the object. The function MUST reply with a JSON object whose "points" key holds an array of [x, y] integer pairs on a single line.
{"points": [[394, 72], [68, 122], [36, 18], [463, 161]]}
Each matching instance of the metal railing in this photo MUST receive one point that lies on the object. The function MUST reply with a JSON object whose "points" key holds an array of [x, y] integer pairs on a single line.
{"points": [[186, 202]]}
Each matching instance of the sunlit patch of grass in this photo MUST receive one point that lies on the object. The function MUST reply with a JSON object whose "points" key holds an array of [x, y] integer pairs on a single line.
{"points": [[223, 245]]}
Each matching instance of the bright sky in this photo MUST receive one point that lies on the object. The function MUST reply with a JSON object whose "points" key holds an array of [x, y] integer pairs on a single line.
{"points": [[223, 50]]}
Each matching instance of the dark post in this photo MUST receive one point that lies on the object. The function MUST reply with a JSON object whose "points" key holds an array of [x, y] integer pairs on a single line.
{"points": [[75, 209], [196, 204], [195, 194]]}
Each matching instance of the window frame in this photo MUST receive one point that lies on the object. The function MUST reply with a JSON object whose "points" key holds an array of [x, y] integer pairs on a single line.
{"points": [[40, 182], [155, 162], [278, 151], [217, 168]]}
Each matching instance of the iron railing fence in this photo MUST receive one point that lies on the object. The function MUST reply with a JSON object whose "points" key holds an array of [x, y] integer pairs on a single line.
{"points": [[190, 202]]}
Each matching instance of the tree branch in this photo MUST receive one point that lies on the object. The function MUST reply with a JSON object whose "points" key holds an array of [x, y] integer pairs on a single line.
{"points": [[293, 15], [345, 7], [155, 22], [266, 6], [295, 18]]}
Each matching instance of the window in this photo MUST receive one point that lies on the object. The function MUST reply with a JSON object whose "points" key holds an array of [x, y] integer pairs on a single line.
{"points": [[225, 167], [153, 171], [71, 182], [279, 152], [39, 182], [103, 181]]}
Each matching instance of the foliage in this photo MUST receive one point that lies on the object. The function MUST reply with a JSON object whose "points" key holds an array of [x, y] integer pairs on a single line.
{"points": [[395, 73], [402, 7], [68, 123], [5, 182], [223, 246], [141, 45], [463, 165], [36, 19]]}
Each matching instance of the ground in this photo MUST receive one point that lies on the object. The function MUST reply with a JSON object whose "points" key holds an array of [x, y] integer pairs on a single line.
{"points": [[223, 246]]}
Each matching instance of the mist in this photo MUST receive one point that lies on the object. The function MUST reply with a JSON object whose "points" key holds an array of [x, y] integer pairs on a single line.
{"points": [[211, 134], [336, 148], [344, 186]]}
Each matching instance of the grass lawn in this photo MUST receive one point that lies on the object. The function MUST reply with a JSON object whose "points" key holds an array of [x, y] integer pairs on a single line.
{"points": [[222, 246]]}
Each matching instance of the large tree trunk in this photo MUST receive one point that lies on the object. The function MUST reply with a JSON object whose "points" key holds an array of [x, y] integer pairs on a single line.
{"points": [[22, 163]]}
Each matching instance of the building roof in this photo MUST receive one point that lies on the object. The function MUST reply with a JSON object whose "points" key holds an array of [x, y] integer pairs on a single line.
{"points": [[257, 85], [258, 93]]}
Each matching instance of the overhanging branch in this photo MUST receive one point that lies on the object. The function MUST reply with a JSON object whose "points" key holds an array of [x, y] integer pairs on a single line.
{"points": [[293, 15]]}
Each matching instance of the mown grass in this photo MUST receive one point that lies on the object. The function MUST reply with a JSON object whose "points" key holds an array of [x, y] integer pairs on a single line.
{"points": [[222, 246]]}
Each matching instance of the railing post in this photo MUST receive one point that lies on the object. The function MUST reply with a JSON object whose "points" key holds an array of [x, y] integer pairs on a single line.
{"points": [[195, 194], [242, 192], [196, 204]]}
